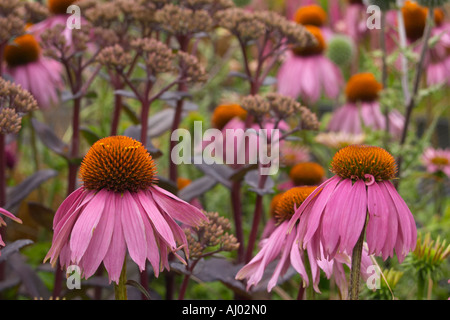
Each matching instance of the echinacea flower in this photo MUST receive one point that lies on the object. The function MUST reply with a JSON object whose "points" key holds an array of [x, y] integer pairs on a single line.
{"points": [[59, 16], [437, 160], [362, 108], [359, 197], [3, 223], [39, 75], [283, 246], [119, 209], [304, 174], [308, 73], [314, 15]]}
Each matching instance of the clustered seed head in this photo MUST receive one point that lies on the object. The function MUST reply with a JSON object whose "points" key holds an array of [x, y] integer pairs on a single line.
{"points": [[183, 21], [283, 106], [308, 120], [211, 233], [158, 57], [14, 102], [114, 57], [241, 23], [209, 5], [104, 37], [256, 105], [191, 68], [54, 42], [11, 20], [35, 12]]}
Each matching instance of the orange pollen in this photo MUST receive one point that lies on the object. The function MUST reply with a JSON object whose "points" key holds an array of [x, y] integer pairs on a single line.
{"points": [[274, 203], [363, 87], [311, 15], [59, 6], [358, 161], [225, 112], [118, 164], [24, 50], [290, 201], [440, 161], [307, 173], [315, 49], [183, 183]]}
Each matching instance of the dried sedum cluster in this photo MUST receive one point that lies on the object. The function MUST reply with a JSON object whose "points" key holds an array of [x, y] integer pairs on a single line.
{"points": [[14, 103], [210, 234]]}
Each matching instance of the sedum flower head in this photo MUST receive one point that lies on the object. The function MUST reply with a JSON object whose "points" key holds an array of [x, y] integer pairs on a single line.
{"points": [[183, 21]]}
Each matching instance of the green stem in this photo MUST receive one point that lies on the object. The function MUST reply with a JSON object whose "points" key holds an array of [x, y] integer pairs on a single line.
{"points": [[421, 285], [355, 274], [120, 289]]}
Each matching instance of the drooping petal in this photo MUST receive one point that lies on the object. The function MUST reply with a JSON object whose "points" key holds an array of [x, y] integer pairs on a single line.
{"points": [[133, 230], [101, 239], [377, 225], [115, 256], [179, 210], [333, 215], [85, 225], [153, 212], [354, 217], [10, 215]]}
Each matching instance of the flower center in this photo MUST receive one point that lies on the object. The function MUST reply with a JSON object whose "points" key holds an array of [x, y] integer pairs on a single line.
{"points": [[363, 87], [59, 6], [274, 204], [440, 161], [24, 50], [311, 15], [290, 201], [360, 162], [225, 112], [313, 49], [307, 173], [183, 183], [118, 164]]}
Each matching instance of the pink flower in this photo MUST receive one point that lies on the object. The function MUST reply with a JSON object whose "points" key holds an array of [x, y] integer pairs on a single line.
{"points": [[34, 72], [309, 74], [437, 160], [335, 213], [3, 223], [119, 209], [363, 109], [283, 246]]}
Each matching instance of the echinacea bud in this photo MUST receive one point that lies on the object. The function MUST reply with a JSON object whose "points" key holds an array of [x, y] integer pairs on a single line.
{"points": [[340, 50]]}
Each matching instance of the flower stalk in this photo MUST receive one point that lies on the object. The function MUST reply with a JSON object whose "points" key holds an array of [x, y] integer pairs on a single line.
{"points": [[355, 273], [120, 289]]}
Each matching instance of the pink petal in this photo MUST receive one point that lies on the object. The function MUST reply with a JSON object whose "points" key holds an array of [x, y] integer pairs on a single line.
{"points": [[354, 217], [83, 229], [133, 230], [377, 225], [115, 256]]}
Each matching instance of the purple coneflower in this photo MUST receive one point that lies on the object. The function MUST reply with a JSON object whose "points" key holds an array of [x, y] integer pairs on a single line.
{"points": [[437, 160], [119, 208], [281, 245], [358, 201], [34, 72], [363, 108], [307, 73]]}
